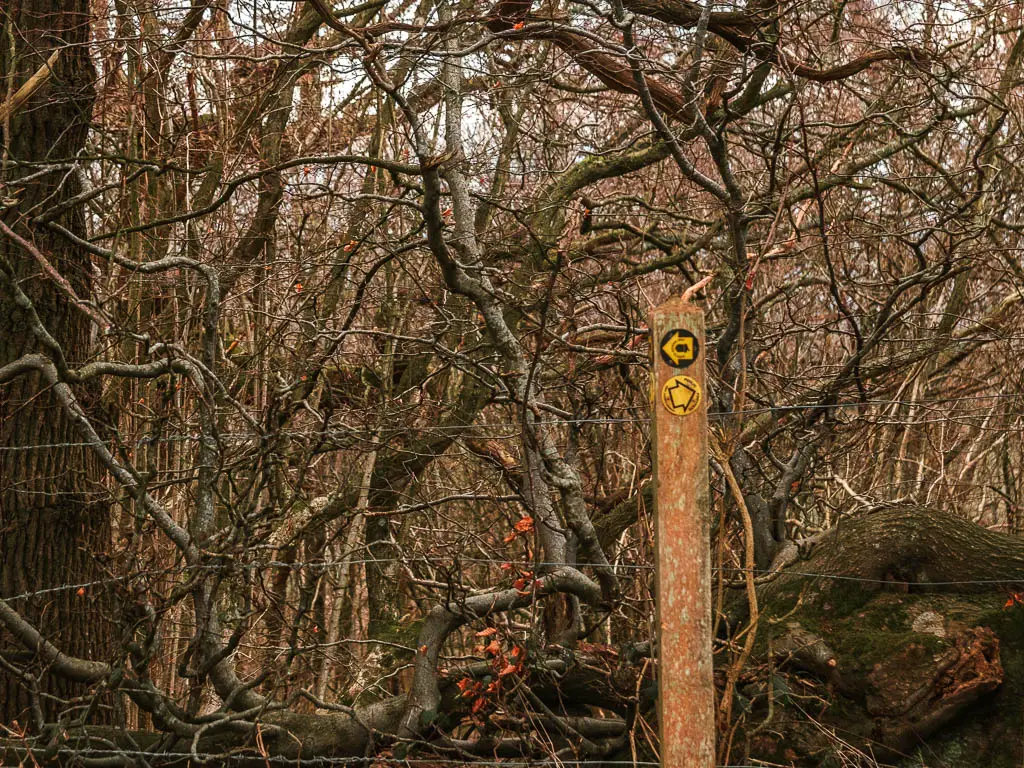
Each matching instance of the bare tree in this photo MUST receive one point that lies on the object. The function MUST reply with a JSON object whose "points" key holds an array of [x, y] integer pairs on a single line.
{"points": [[325, 368]]}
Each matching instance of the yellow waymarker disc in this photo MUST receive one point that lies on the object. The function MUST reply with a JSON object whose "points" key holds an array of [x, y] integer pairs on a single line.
{"points": [[681, 395], [679, 348]]}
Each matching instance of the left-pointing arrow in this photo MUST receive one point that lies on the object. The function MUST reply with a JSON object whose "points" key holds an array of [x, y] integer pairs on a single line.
{"points": [[679, 348]]}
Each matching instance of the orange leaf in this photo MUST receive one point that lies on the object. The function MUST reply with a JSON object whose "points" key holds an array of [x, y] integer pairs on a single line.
{"points": [[423, 649], [524, 525], [479, 704], [518, 26], [80, 592], [508, 670], [487, 632], [493, 648]]}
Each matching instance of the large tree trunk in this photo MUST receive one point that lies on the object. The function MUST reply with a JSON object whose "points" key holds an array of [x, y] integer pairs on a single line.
{"points": [[54, 507]]}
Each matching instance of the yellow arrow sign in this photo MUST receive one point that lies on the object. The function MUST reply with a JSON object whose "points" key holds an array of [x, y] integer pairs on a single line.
{"points": [[680, 395], [678, 348]]}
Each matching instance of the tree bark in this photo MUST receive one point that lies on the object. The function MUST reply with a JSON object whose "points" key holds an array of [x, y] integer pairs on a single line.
{"points": [[54, 508], [906, 548], [916, 548]]}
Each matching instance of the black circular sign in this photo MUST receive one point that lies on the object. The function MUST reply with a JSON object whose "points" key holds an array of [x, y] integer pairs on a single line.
{"points": [[679, 348]]}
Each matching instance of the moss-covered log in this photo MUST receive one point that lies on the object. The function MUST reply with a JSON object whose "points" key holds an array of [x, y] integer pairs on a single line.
{"points": [[892, 642]]}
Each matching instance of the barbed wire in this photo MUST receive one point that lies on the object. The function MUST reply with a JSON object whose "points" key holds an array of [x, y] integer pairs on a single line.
{"points": [[377, 433]]}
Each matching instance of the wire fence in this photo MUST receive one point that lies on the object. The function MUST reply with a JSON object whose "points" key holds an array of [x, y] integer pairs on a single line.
{"points": [[367, 762], [223, 564], [378, 433], [434, 561]]}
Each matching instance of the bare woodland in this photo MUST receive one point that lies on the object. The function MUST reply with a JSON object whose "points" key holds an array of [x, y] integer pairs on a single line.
{"points": [[324, 377]]}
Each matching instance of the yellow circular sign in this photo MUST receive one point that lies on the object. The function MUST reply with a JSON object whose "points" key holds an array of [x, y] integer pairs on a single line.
{"points": [[681, 395]]}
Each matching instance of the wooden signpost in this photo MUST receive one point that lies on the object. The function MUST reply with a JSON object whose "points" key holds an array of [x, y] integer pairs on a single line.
{"points": [[686, 702]]}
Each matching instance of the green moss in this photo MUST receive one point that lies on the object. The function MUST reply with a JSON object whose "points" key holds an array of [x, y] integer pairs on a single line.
{"points": [[403, 632], [863, 627], [866, 628]]}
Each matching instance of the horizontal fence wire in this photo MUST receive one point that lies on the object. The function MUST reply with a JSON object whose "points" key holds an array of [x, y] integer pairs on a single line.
{"points": [[271, 565], [342, 432], [378, 433], [364, 761]]}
